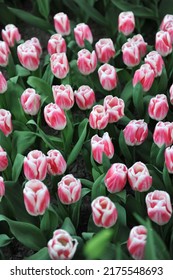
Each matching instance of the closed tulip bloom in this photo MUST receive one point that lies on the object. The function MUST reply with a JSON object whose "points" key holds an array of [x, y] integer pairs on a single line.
{"points": [[158, 107], [171, 94], [131, 54], [108, 76], [30, 101], [155, 60], [85, 97], [145, 76], [62, 246], [54, 116], [4, 53], [105, 49], [169, 159], [59, 65], [35, 165], [28, 56], [114, 106], [56, 44], [63, 96], [163, 44], [138, 40], [69, 189], [159, 207], [36, 43], [98, 118], [135, 132], [2, 188], [116, 178], [139, 177], [36, 197], [126, 22], [87, 61], [163, 134], [3, 83], [137, 241], [62, 23], [56, 164], [5, 122], [11, 34], [82, 32], [3, 159], [104, 212], [167, 18], [100, 145]]}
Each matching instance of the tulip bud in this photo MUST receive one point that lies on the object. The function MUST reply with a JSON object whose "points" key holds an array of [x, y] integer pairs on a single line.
{"points": [[98, 118], [139, 177], [56, 164], [116, 178], [82, 32], [145, 76], [155, 61], [158, 107], [5, 122], [167, 25], [69, 189], [105, 49], [62, 24], [36, 197], [87, 61], [85, 97], [138, 40], [54, 116], [4, 53], [126, 23], [135, 132], [28, 56], [2, 188], [3, 83], [114, 106], [63, 96], [169, 159], [35, 165], [36, 43], [100, 145], [107, 76], [131, 54], [104, 212], [30, 101], [163, 134], [56, 44], [3, 159], [163, 44], [59, 65], [171, 94], [137, 241], [159, 207], [11, 34], [62, 246]]}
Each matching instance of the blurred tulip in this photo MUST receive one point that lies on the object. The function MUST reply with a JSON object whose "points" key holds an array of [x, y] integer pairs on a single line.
{"points": [[114, 106], [62, 23], [86, 62], [107, 76], [2, 188], [56, 44], [4, 53], [69, 189], [82, 32], [5, 122], [135, 132], [138, 40], [105, 49], [163, 132], [137, 241], [167, 25], [63, 96], [59, 65], [158, 107], [31, 101], [126, 22], [171, 94], [3, 159], [131, 54], [56, 164], [163, 44], [28, 56], [145, 76], [139, 177], [36, 43], [11, 34], [85, 97], [54, 116], [3, 83], [169, 159], [155, 61], [116, 178], [98, 118]]}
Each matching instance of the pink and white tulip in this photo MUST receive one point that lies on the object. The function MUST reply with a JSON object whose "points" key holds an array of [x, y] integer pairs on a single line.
{"points": [[158, 107], [85, 97], [163, 44], [11, 34], [98, 118], [155, 60], [163, 132], [167, 25], [4, 53], [56, 44], [30, 101], [28, 55], [87, 61], [63, 96], [135, 132], [5, 122], [137, 241], [62, 24], [3, 83], [59, 65], [54, 116], [145, 76], [169, 159], [139, 177], [131, 54], [171, 94], [82, 32], [138, 40], [56, 164], [105, 50], [126, 22], [3, 159], [116, 178], [2, 188], [108, 76], [114, 106]]}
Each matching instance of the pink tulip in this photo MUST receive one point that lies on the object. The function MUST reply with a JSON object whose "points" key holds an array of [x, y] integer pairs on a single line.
{"points": [[139, 177], [137, 241], [116, 178], [36, 197], [114, 106], [69, 189], [126, 22], [62, 23], [2, 188], [28, 55], [11, 34], [138, 40], [59, 65], [82, 32], [159, 207], [145, 76], [85, 97], [4, 53], [98, 118], [167, 25], [62, 246], [56, 44], [163, 44], [5, 122], [131, 54], [35, 165], [3, 83], [54, 116], [3, 159], [36, 43], [107, 76], [158, 107], [135, 132], [171, 94], [63, 96], [30, 101], [169, 159], [104, 212], [105, 49], [100, 145], [87, 61], [155, 61], [163, 134], [56, 164]]}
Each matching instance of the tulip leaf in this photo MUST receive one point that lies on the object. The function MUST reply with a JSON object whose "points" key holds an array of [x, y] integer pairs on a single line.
{"points": [[17, 167], [124, 148], [138, 100], [4, 240], [68, 226], [98, 188], [42, 254], [41, 87], [49, 222], [22, 140], [167, 181], [44, 7]]}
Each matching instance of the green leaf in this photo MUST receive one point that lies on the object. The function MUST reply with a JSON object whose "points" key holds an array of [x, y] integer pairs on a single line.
{"points": [[167, 181], [22, 140], [17, 167], [49, 222], [42, 254], [127, 92], [41, 87], [5, 14], [44, 7], [68, 226], [4, 240], [97, 189], [138, 99], [48, 75], [21, 71], [124, 148], [160, 157], [67, 134]]}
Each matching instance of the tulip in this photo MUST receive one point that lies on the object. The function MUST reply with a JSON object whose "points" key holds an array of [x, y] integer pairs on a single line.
{"points": [[35, 165], [56, 164], [158, 107], [82, 32], [62, 23], [137, 241], [5, 122], [59, 65], [105, 49], [69, 189], [126, 23], [135, 132], [107, 76], [28, 55], [36, 197], [116, 178], [167, 25], [4, 53], [145, 76], [36, 43], [104, 212], [114, 106], [3, 83], [159, 207], [11, 34], [131, 54], [87, 61], [85, 97], [30, 101], [171, 94], [56, 44], [2, 188], [63, 96], [155, 61], [62, 246], [163, 44], [138, 40], [3, 159], [163, 134], [98, 118], [169, 159], [54, 116], [139, 177]]}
